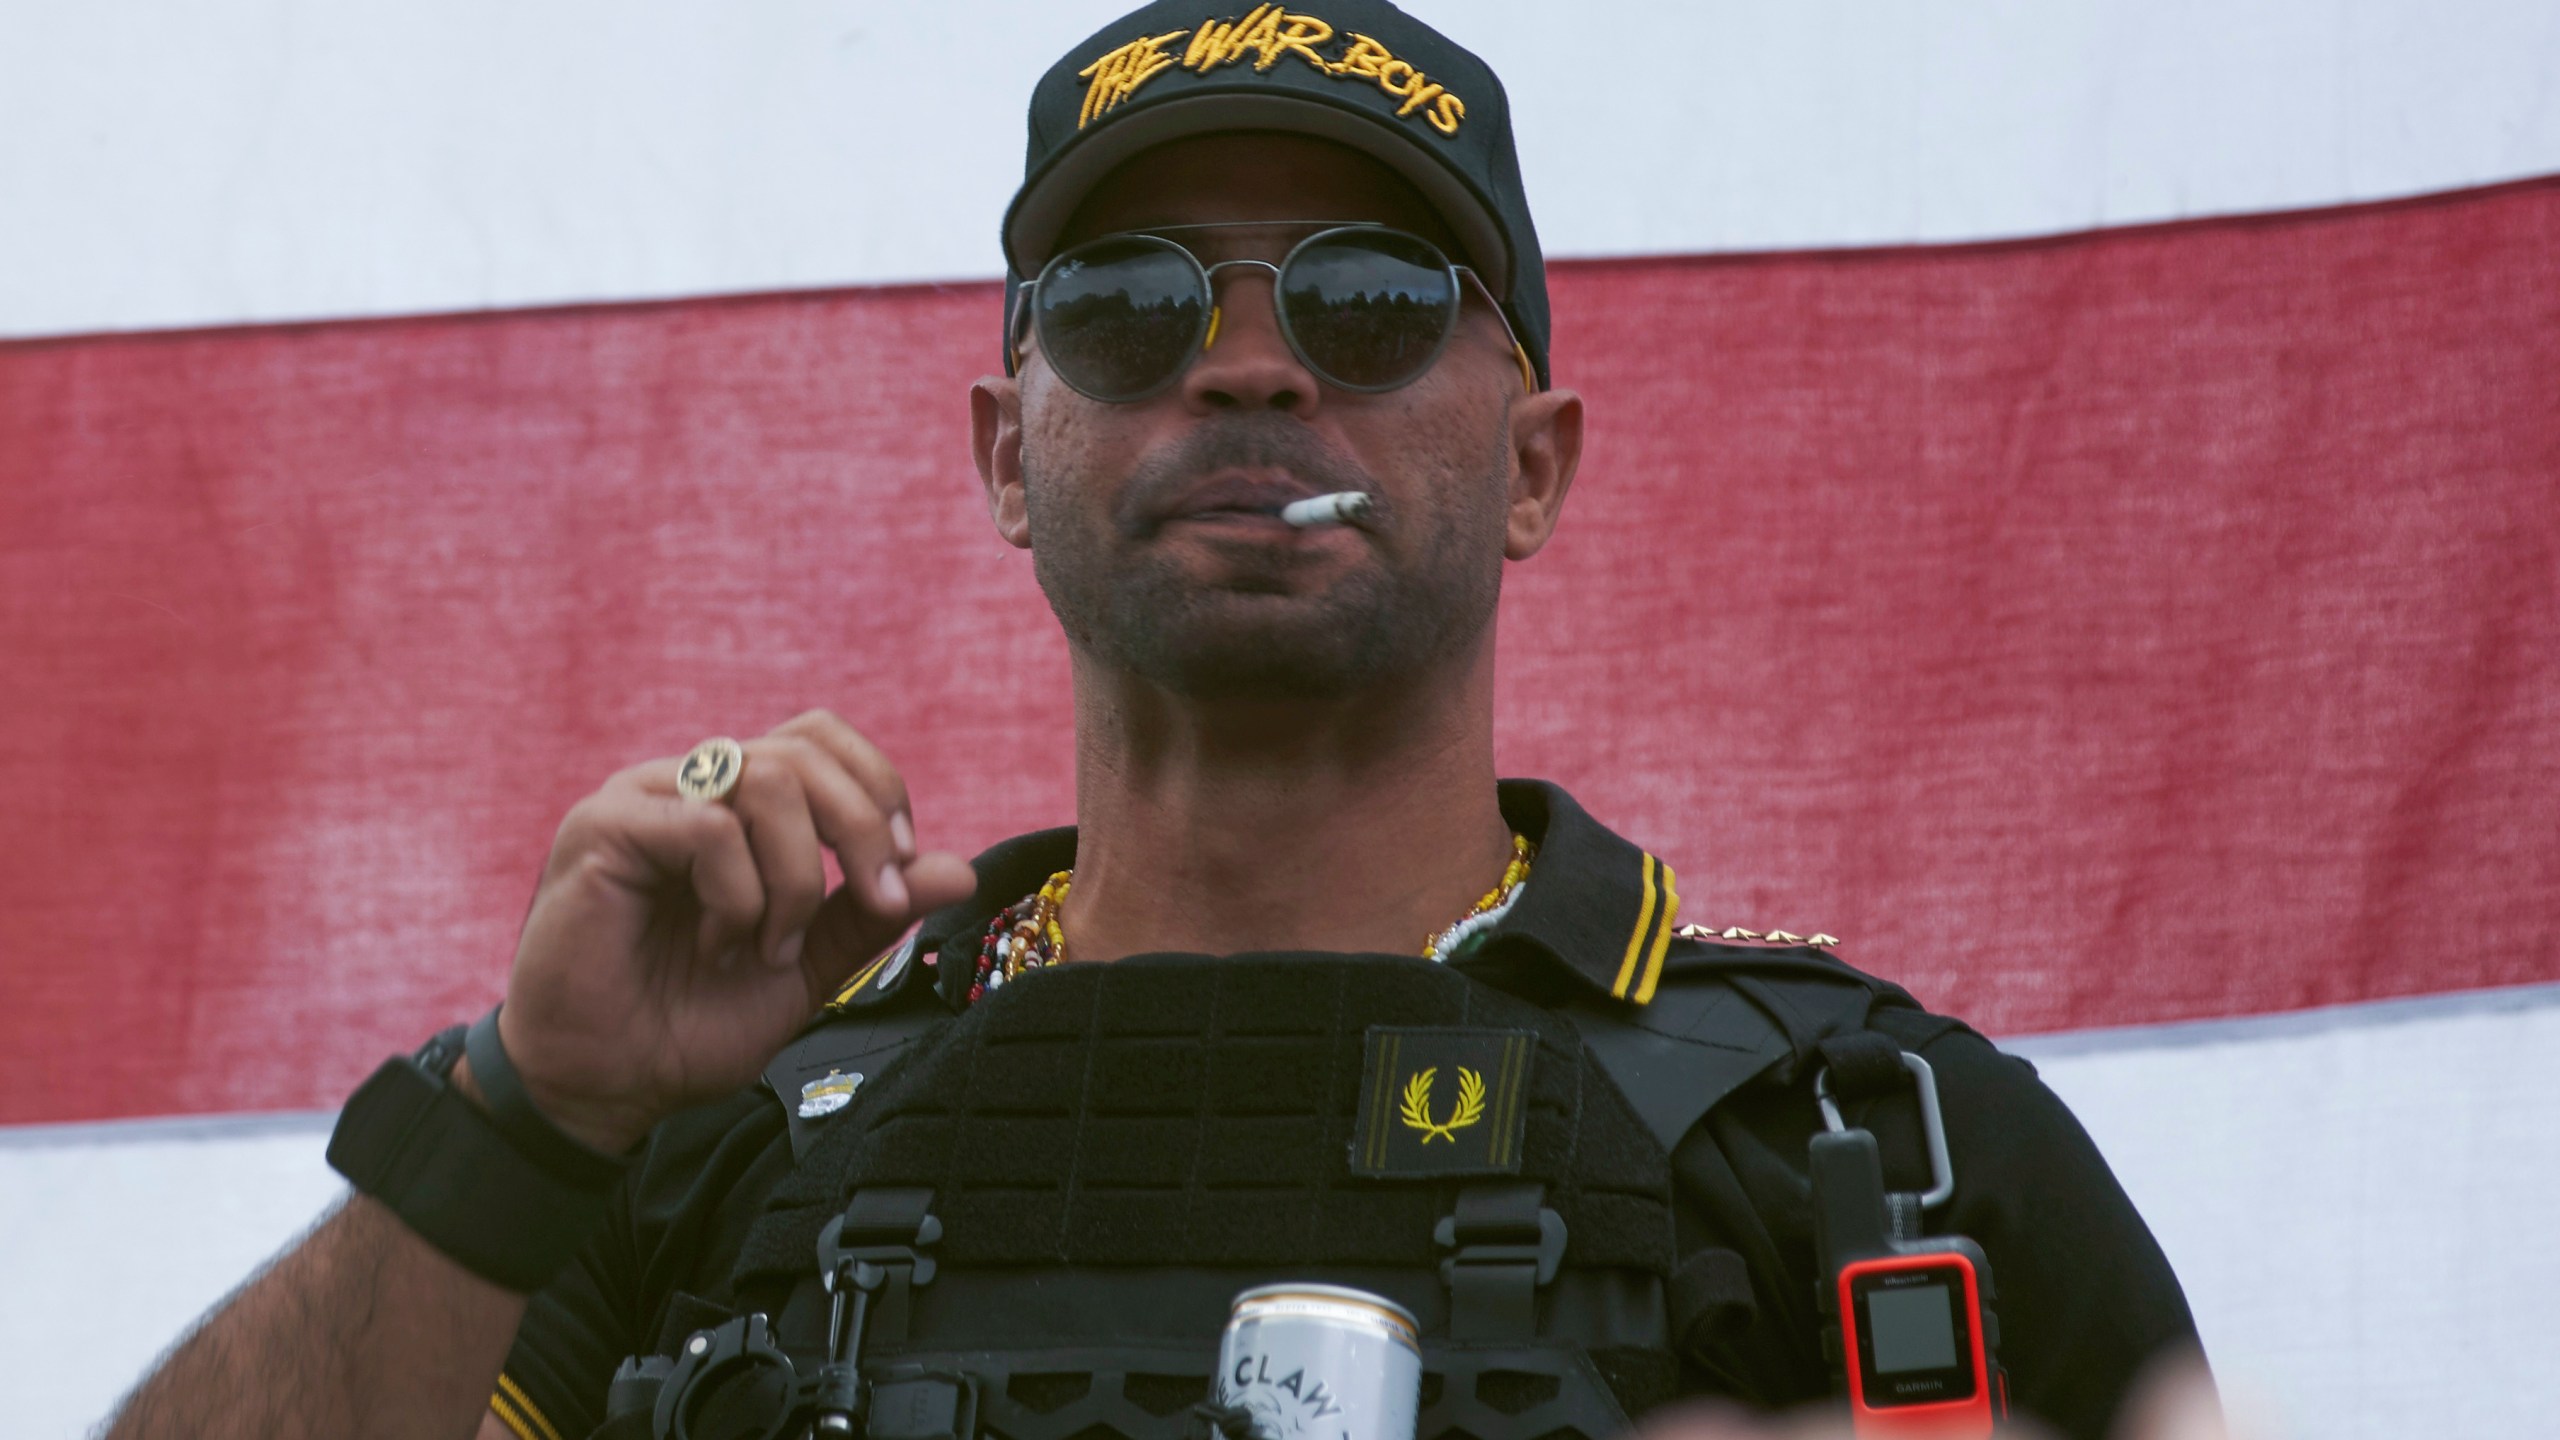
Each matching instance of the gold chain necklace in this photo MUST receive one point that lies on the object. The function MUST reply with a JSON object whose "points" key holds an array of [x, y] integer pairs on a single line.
{"points": [[1026, 935]]}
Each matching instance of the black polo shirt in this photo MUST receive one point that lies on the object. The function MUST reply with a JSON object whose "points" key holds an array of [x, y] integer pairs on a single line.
{"points": [[2086, 1297]]}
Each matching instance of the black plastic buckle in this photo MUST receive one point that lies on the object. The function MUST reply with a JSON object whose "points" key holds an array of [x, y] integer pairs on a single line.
{"points": [[877, 1248], [1544, 1254], [1504, 1244], [869, 1259]]}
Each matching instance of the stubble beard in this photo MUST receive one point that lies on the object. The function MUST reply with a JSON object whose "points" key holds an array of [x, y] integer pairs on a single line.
{"points": [[1420, 603]]}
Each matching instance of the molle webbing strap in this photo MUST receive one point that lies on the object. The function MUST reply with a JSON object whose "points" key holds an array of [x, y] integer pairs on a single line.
{"points": [[1184, 1111]]}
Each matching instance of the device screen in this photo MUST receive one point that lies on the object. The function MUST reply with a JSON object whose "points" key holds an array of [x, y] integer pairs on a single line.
{"points": [[1912, 1329], [1914, 1337]]}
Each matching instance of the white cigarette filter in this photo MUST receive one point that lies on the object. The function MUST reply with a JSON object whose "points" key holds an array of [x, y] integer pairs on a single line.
{"points": [[1339, 508]]}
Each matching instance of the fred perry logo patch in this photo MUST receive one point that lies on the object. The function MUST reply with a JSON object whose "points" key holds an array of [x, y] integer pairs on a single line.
{"points": [[1442, 1102]]}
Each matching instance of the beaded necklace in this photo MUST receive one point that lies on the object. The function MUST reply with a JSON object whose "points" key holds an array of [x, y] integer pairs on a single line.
{"points": [[1025, 935]]}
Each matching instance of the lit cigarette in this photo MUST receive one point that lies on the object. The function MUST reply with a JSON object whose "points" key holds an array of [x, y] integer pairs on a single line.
{"points": [[1339, 508]]}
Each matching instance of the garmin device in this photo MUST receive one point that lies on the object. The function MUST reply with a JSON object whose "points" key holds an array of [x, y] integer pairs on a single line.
{"points": [[1907, 1318]]}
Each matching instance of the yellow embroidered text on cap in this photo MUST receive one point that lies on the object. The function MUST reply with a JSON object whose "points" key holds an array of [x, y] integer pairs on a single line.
{"points": [[1269, 34]]}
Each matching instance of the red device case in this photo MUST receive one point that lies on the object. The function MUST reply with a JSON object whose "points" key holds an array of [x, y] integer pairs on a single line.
{"points": [[1945, 1420]]}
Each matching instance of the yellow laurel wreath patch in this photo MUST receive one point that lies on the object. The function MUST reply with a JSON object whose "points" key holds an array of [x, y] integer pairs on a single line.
{"points": [[1416, 1109]]}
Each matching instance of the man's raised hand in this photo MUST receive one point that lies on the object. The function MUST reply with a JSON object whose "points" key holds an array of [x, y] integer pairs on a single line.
{"points": [[674, 945]]}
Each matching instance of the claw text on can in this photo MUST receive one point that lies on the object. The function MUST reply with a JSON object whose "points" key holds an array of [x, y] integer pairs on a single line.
{"points": [[1321, 1362]]}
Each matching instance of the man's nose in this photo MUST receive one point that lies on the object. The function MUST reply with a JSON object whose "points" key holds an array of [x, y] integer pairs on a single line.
{"points": [[1247, 363]]}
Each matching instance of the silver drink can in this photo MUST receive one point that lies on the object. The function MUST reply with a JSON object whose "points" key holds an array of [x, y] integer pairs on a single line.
{"points": [[1321, 1362]]}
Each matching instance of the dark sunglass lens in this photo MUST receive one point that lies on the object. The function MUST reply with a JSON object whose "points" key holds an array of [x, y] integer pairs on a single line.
{"points": [[1370, 309], [1118, 318]]}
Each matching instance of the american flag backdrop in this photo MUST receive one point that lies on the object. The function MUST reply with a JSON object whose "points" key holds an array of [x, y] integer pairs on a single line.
{"points": [[2072, 508]]}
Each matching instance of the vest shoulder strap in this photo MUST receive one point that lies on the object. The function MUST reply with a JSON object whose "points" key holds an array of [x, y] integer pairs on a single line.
{"points": [[1675, 1058], [1721, 1017], [817, 1075]]}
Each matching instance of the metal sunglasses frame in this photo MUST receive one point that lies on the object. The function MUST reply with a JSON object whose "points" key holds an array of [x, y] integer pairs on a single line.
{"points": [[1206, 331]]}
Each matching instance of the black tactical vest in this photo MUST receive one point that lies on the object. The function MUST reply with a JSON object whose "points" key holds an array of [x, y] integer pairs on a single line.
{"points": [[1113, 1151], [1109, 1153]]}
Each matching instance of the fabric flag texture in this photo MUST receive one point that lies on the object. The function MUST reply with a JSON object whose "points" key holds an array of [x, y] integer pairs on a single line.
{"points": [[2144, 626]]}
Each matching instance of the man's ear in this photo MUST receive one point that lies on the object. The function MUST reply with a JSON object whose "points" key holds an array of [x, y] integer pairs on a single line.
{"points": [[1546, 447], [995, 437]]}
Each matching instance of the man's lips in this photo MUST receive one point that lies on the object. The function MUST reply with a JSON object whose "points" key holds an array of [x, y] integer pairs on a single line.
{"points": [[1229, 496]]}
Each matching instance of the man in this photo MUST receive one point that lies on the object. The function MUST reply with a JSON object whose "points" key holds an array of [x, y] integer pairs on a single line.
{"points": [[1389, 1023]]}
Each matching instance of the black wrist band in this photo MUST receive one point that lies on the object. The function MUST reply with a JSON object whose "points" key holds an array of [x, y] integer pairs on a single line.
{"points": [[512, 1110], [465, 1186]]}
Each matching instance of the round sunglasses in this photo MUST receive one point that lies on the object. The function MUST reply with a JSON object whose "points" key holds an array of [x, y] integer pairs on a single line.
{"points": [[1364, 307]]}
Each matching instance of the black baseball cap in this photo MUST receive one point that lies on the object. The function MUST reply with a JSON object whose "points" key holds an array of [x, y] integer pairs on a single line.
{"points": [[1357, 72]]}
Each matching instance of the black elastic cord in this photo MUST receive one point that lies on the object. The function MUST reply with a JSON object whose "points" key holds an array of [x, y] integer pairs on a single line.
{"points": [[523, 1124]]}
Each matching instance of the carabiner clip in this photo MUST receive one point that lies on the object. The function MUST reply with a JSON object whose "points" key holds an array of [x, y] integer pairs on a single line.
{"points": [[1933, 1126]]}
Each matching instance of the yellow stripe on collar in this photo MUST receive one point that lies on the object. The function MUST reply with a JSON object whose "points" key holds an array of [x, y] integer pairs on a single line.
{"points": [[1640, 969], [862, 977], [1635, 942], [530, 1425], [508, 1417], [1661, 938]]}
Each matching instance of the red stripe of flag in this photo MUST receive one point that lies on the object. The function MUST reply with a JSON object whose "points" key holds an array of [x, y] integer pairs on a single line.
{"points": [[2138, 626]]}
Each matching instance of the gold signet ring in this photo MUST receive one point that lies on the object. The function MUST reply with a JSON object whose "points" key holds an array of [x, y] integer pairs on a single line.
{"points": [[711, 769]]}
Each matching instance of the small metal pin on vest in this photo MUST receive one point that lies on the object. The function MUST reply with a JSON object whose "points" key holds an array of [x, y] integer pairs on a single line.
{"points": [[828, 1094]]}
